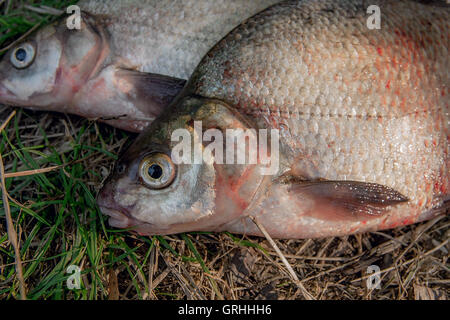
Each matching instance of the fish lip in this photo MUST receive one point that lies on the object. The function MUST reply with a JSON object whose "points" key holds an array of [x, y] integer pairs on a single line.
{"points": [[6, 96], [121, 220], [3, 93], [117, 218], [108, 206]]}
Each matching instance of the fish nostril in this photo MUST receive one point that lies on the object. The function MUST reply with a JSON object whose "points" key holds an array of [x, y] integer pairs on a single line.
{"points": [[106, 193], [120, 169]]}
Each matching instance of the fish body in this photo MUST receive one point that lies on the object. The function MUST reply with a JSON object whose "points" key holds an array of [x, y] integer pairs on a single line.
{"points": [[128, 61], [362, 116], [169, 37]]}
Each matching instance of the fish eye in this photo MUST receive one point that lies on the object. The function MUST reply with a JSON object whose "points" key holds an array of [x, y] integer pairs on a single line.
{"points": [[157, 170], [23, 55]]}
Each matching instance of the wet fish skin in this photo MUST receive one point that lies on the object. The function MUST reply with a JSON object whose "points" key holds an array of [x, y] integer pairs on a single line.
{"points": [[128, 62], [169, 37], [363, 118]]}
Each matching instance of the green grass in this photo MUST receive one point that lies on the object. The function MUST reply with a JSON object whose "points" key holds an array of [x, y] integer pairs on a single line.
{"points": [[57, 203], [16, 20]]}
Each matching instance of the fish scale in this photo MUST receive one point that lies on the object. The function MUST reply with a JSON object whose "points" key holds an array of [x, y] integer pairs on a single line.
{"points": [[351, 103], [169, 37], [362, 117]]}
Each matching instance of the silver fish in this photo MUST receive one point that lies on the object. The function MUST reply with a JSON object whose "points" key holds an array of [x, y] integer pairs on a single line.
{"points": [[126, 64], [363, 122]]}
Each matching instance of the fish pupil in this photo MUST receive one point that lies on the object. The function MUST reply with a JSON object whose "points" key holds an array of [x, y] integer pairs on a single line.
{"points": [[155, 171], [21, 55]]}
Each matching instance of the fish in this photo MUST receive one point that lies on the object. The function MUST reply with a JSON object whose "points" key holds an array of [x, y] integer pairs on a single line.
{"points": [[125, 64], [361, 116]]}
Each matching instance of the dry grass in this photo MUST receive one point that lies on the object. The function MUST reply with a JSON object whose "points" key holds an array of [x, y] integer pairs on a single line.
{"points": [[58, 224]]}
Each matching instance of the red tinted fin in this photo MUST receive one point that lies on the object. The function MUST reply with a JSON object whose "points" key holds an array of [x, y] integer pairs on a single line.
{"points": [[334, 200]]}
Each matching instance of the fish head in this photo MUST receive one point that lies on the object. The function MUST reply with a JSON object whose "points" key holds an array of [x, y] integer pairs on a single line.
{"points": [[47, 69], [156, 189]]}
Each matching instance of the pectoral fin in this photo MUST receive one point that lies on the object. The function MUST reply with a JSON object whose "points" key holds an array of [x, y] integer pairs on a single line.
{"points": [[152, 92], [127, 99], [347, 199]]}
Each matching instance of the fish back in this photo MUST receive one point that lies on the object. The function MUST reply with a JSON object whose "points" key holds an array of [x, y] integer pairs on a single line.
{"points": [[351, 102]]}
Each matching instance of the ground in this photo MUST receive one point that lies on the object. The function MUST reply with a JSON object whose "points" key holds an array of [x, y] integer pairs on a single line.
{"points": [[59, 225]]}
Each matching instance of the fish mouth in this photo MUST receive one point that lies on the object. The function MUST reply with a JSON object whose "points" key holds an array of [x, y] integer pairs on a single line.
{"points": [[109, 208], [117, 219], [3, 94], [120, 220], [120, 217], [7, 97]]}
